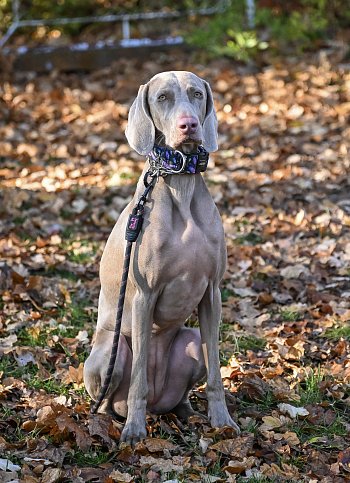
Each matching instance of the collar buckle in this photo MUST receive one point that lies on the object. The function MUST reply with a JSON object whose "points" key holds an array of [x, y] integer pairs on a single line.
{"points": [[202, 162]]}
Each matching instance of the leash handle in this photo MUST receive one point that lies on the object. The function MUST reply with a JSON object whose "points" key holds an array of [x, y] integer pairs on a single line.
{"points": [[133, 228]]}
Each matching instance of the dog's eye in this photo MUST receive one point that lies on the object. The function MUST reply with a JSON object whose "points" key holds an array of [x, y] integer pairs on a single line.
{"points": [[198, 94], [162, 97]]}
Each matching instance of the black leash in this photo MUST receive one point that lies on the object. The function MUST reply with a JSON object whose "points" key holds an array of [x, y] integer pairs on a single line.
{"points": [[133, 229]]}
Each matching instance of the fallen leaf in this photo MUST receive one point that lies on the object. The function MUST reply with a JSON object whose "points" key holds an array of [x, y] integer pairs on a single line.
{"points": [[51, 475], [294, 271], [237, 447], [291, 438], [102, 425], [292, 411], [120, 477], [74, 376], [155, 445], [344, 459], [270, 422], [237, 467], [254, 388], [66, 423]]}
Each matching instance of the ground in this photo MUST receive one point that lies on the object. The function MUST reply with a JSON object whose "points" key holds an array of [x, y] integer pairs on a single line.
{"points": [[281, 182]]}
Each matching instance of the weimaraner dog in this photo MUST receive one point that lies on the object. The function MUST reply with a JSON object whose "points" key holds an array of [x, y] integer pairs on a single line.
{"points": [[177, 264]]}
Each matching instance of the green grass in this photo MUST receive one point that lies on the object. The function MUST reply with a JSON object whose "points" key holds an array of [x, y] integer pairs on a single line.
{"points": [[290, 315], [6, 412], [226, 293], [20, 435], [309, 390], [82, 354], [26, 338], [56, 272], [19, 220], [248, 342], [266, 402], [92, 457], [240, 343], [224, 357], [80, 258], [29, 375], [73, 318], [297, 461], [51, 386], [256, 479], [314, 434], [73, 245], [252, 427], [10, 368], [77, 318], [215, 470], [25, 237], [251, 238], [340, 332]]}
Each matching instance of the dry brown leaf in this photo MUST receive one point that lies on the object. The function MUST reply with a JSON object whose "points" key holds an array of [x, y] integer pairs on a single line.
{"points": [[285, 471], [344, 459], [155, 445], [66, 423], [291, 438], [51, 475], [102, 425], [271, 422], [120, 477], [163, 465], [254, 388], [238, 447], [237, 467], [74, 376]]}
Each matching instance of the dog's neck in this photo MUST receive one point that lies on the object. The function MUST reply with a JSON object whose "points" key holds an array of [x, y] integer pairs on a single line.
{"points": [[181, 187]]}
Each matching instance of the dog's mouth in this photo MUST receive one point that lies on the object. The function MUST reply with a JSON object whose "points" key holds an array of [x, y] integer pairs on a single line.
{"points": [[188, 146]]}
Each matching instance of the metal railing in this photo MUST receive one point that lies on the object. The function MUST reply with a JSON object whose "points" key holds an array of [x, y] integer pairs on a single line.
{"points": [[124, 19]]}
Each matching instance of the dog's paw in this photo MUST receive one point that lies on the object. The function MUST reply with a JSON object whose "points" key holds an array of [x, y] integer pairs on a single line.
{"points": [[133, 433], [221, 419]]}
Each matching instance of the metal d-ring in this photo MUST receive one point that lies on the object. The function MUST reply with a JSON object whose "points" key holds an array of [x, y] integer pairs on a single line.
{"points": [[183, 166]]}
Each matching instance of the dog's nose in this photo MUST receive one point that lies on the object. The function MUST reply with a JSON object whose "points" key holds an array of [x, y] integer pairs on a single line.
{"points": [[187, 125]]}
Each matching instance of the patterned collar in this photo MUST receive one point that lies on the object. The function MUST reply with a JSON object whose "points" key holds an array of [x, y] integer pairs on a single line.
{"points": [[171, 161]]}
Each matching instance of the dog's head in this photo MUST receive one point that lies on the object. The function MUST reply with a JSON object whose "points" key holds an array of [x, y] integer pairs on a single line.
{"points": [[173, 109]]}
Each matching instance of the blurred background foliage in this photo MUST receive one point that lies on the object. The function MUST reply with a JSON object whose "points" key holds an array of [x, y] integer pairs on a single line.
{"points": [[280, 25]]}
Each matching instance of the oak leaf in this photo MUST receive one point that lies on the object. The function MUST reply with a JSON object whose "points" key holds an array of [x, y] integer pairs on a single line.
{"points": [[66, 423], [238, 447]]}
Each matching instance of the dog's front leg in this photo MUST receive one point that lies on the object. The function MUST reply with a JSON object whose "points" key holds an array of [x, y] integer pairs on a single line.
{"points": [[209, 311], [142, 312]]}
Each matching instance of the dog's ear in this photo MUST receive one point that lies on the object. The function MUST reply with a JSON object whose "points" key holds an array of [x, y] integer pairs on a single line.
{"points": [[140, 131], [210, 124]]}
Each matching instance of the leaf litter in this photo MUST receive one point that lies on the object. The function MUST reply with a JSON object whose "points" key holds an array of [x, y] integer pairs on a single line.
{"points": [[281, 182]]}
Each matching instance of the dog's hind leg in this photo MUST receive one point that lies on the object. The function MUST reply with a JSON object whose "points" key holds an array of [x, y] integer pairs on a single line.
{"points": [[185, 367], [96, 365]]}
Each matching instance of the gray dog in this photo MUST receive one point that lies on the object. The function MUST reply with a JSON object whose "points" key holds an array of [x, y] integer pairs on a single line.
{"points": [[176, 266]]}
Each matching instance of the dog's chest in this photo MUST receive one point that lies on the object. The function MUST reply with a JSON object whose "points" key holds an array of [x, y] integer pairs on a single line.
{"points": [[185, 260], [187, 241]]}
